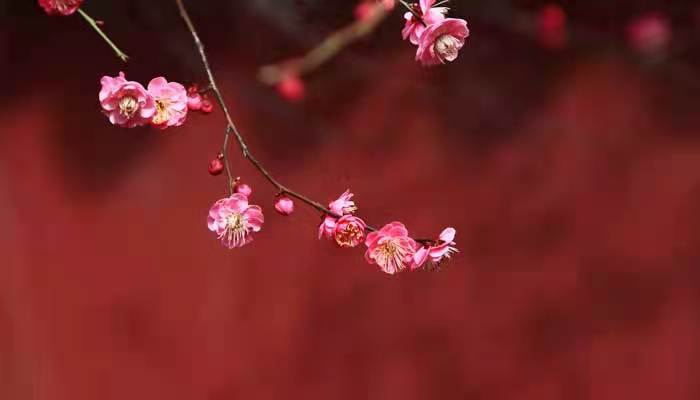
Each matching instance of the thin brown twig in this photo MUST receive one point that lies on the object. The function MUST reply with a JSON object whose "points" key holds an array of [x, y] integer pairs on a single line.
{"points": [[231, 128], [324, 51]]}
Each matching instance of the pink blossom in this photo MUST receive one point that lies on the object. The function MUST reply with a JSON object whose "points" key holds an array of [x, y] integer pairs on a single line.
{"points": [[390, 248], [368, 9], [414, 28], [171, 102], [441, 41], [207, 105], [349, 231], [284, 205], [650, 34], [234, 220], [365, 10], [216, 166], [437, 252], [243, 189], [343, 205], [194, 99], [327, 227], [60, 7], [126, 103]]}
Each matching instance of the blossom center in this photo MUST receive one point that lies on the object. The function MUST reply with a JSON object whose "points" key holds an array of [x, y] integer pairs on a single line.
{"points": [[128, 106], [391, 253], [236, 229], [349, 236], [447, 47], [162, 113]]}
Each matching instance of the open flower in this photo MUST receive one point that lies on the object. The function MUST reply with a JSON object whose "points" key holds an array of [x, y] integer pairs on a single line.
{"points": [[343, 205], [390, 248], [60, 7], [414, 28], [126, 103], [349, 231], [441, 41], [171, 102], [438, 252], [234, 220]]}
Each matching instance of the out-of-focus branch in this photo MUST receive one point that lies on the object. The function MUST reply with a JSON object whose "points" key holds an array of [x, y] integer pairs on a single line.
{"points": [[327, 49]]}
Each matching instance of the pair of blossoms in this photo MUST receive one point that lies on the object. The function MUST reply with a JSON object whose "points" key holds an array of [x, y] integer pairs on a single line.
{"points": [[161, 104], [438, 38], [234, 221]]}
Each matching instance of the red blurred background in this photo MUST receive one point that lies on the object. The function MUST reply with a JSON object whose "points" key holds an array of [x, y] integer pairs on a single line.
{"points": [[572, 176]]}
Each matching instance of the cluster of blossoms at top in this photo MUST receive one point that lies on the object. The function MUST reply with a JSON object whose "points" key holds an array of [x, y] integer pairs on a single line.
{"points": [[161, 104], [391, 248], [438, 38], [60, 7]]}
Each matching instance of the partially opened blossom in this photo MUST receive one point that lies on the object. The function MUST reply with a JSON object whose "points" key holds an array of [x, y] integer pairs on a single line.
{"points": [[390, 248], [349, 231], [126, 103], [437, 252], [343, 205], [207, 105], [194, 99], [284, 205], [171, 102], [327, 227], [428, 14], [234, 220], [60, 7], [441, 41]]}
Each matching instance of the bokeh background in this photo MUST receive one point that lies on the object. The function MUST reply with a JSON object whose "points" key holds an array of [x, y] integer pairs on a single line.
{"points": [[570, 169]]}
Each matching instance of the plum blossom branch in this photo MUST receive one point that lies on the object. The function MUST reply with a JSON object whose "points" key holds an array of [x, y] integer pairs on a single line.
{"points": [[231, 129], [413, 11], [327, 49], [95, 25]]}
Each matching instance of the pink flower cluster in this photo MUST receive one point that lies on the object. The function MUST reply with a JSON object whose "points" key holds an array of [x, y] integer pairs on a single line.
{"points": [[60, 7], [391, 248], [438, 38], [367, 9], [128, 104], [344, 228]]}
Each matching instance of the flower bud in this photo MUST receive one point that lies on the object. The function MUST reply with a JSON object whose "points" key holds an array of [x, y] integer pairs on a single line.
{"points": [[243, 189], [284, 205], [216, 166]]}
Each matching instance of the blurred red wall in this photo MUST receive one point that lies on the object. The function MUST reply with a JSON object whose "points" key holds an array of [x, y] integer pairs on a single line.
{"points": [[578, 229]]}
